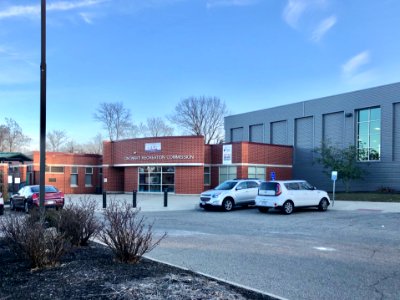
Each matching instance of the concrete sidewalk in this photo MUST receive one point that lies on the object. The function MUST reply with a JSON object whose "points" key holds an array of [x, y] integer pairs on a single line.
{"points": [[155, 202], [146, 202]]}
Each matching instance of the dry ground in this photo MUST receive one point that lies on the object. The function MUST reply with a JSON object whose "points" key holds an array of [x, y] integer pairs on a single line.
{"points": [[91, 273]]}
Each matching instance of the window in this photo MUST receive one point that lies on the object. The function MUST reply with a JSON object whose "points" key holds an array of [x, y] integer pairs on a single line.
{"points": [[369, 134], [156, 179], [252, 184], [207, 175], [74, 176], [54, 169], [226, 173], [256, 172], [292, 186], [88, 177]]}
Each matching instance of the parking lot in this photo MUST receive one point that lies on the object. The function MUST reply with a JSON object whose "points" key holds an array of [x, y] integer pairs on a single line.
{"points": [[338, 254], [349, 252]]}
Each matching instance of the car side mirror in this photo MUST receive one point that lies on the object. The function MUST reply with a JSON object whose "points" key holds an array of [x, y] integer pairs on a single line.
{"points": [[239, 188], [314, 188]]}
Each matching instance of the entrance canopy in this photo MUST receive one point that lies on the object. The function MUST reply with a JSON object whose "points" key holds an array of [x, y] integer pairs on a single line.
{"points": [[13, 156]]}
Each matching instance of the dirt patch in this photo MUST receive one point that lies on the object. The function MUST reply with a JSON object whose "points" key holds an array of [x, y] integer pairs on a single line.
{"points": [[91, 273]]}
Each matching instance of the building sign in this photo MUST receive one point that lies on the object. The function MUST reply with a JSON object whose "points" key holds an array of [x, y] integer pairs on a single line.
{"points": [[160, 157], [227, 154], [152, 147]]}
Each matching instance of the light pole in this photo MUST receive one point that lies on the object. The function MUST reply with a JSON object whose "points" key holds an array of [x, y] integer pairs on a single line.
{"points": [[43, 68]]}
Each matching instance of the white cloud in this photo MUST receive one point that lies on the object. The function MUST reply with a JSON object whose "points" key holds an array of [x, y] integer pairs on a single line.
{"points": [[216, 3], [294, 10], [323, 28], [88, 18], [352, 66], [34, 10], [354, 72]]}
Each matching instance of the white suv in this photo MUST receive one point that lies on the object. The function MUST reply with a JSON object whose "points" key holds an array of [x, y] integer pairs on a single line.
{"points": [[287, 195], [230, 193]]}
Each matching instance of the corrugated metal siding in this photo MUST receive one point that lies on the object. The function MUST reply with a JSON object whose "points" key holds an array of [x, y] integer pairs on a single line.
{"points": [[237, 134], [396, 132], [304, 140], [385, 172], [279, 133], [257, 133], [333, 129]]}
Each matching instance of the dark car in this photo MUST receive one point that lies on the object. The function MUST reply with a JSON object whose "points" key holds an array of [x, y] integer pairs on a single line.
{"points": [[28, 198]]}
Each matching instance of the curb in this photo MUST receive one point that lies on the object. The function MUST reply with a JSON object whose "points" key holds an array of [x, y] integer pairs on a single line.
{"points": [[237, 285], [264, 295]]}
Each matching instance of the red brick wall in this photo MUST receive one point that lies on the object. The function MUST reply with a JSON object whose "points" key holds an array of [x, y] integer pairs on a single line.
{"points": [[129, 154], [189, 180], [63, 180], [208, 154], [131, 179], [269, 154], [255, 153], [115, 179], [4, 171], [133, 151], [214, 177]]}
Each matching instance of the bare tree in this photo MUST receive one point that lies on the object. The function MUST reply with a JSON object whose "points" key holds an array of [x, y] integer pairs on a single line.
{"points": [[13, 138], [72, 147], [95, 146], [115, 118], [3, 134], [201, 116], [55, 139], [157, 127]]}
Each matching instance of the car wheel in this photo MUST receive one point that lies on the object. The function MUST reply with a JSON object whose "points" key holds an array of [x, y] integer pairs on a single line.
{"points": [[227, 204], [12, 206], [323, 204], [288, 207], [26, 207], [263, 209]]}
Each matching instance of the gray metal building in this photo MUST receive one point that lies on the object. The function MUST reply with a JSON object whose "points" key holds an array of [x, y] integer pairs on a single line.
{"points": [[368, 119]]}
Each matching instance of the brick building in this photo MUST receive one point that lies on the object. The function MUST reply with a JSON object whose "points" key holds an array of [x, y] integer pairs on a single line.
{"points": [[70, 173], [185, 165]]}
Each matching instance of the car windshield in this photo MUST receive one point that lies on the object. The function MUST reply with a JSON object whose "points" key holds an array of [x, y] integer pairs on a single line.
{"points": [[227, 185], [48, 189]]}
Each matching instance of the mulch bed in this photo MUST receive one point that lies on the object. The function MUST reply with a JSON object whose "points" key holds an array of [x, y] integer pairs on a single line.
{"points": [[91, 273]]}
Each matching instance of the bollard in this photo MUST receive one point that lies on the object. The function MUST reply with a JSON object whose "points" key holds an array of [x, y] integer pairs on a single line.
{"points": [[134, 198], [166, 197], [104, 199]]}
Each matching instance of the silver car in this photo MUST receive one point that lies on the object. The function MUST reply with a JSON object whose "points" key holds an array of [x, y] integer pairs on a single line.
{"points": [[230, 193]]}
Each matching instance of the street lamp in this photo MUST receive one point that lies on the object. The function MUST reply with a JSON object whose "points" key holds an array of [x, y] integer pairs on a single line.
{"points": [[42, 111]]}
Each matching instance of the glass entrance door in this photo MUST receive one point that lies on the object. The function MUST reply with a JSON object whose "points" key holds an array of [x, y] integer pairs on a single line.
{"points": [[156, 179]]}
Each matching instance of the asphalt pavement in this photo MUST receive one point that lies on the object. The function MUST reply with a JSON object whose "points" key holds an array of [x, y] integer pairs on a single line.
{"points": [[349, 253]]}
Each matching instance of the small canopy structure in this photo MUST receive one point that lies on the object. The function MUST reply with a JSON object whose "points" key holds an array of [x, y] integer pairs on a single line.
{"points": [[13, 156]]}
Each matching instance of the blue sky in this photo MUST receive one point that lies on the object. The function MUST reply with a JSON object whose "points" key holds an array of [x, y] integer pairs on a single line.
{"points": [[150, 54]]}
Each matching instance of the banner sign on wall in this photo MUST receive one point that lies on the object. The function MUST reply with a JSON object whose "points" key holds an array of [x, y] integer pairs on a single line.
{"points": [[152, 147], [227, 154]]}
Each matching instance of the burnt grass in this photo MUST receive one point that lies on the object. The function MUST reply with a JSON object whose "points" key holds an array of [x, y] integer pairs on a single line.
{"points": [[92, 273]]}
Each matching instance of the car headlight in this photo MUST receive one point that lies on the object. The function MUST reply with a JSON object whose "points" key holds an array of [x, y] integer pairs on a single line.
{"points": [[216, 195]]}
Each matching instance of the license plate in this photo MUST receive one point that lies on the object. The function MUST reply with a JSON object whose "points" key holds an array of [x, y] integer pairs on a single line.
{"points": [[51, 202]]}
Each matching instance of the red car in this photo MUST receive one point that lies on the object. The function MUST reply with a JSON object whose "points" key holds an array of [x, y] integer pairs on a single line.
{"points": [[1, 204], [28, 198]]}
